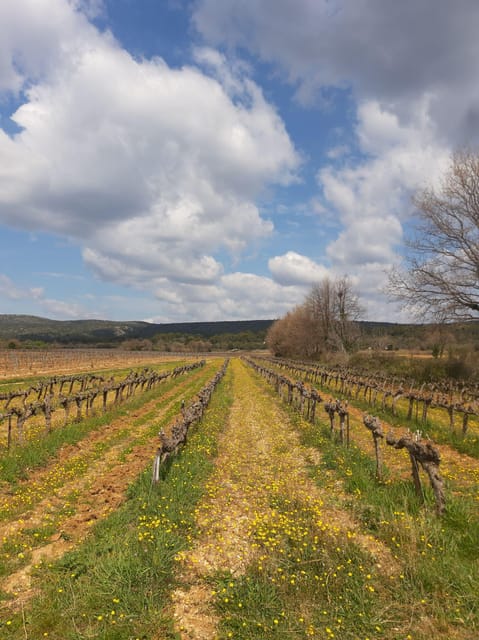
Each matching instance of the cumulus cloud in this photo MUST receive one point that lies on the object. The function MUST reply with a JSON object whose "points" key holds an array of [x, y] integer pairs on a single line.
{"points": [[236, 296], [154, 170], [382, 49], [373, 197], [405, 64], [37, 37], [295, 269]]}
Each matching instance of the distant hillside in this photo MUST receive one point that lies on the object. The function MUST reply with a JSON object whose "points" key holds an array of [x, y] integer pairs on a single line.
{"points": [[33, 328], [224, 334]]}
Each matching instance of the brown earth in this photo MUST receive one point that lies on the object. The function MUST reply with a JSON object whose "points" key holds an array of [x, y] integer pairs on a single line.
{"points": [[21, 363], [100, 490]]}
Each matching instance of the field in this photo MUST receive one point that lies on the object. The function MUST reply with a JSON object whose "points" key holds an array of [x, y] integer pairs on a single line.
{"points": [[17, 363], [262, 525]]}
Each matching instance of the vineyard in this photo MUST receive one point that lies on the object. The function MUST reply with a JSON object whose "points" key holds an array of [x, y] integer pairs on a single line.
{"points": [[18, 362], [154, 498]]}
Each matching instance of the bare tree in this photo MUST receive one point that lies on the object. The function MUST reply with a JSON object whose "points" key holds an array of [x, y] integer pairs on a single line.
{"points": [[334, 307], [348, 310], [323, 323], [441, 276]]}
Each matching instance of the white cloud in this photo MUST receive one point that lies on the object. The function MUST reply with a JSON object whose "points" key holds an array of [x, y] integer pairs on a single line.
{"points": [[91, 8], [37, 37], [36, 298], [8, 289], [66, 310], [251, 296], [338, 151], [239, 296], [236, 296], [411, 69], [154, 170], [390, 51], [295, 269], [374, 196]]}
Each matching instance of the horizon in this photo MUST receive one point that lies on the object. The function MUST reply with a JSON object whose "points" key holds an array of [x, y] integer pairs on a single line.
{"points": [[93, 319]]}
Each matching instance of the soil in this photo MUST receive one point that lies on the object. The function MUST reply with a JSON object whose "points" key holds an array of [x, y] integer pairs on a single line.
{"points": [[100, 490], [19, 363]]}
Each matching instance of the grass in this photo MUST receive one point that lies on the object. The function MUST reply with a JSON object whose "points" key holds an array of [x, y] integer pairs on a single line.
{"points": [[310, 585], [116, 584], [15, 551], [336, 553], [437, 425], [308, 577], [438, 582], [16, 464]]}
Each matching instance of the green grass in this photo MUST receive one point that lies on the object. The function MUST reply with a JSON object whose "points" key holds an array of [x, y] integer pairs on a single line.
{"points": [[439, 556], [15, 551], [436, 427], [116, 584], [436, 585], [16, 464], [310, 585], [309, 578]]}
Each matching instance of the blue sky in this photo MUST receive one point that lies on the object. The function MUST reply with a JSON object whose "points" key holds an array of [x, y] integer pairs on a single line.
{"points": [[210, 160]]}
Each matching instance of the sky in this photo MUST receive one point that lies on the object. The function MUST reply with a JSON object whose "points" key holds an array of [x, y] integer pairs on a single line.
{"points": [[180, 160]]}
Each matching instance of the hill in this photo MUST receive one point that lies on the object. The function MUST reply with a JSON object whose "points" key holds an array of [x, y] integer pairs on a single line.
{"points": [[32, 328], [243, 334]]}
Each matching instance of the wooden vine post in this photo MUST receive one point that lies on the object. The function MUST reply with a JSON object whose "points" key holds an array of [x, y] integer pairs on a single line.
{"points": [[315, 399], [4, 416], [48, 410], [415, 472], [156, 466]]}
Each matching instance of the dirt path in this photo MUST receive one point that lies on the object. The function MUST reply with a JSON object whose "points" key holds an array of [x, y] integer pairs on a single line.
{"points": [[259, 456], [100, 490]]}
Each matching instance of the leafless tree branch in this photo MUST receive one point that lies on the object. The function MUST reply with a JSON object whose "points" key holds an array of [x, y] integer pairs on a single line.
{"points": [[440, 278]]}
